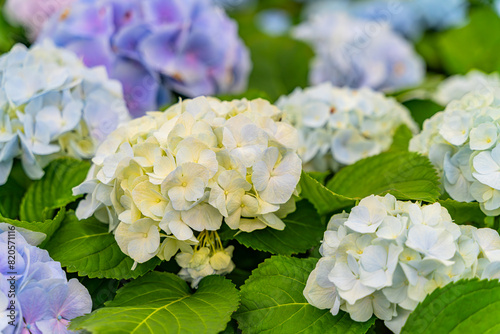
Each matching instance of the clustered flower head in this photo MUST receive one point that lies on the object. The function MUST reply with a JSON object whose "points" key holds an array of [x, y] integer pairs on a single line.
{"points": [[51, 105], [358, 53], [154, 47], [457, 86], [44, 300], [339, 126], [386, 256], [32, 14], [408, 17], [462, 143], [167, 176]]}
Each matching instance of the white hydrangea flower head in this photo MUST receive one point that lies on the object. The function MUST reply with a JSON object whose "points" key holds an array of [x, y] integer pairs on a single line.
{"points": [[462, 143], [386, 256], [339, 126], [165, 180], [456, 86], [51, 105]]}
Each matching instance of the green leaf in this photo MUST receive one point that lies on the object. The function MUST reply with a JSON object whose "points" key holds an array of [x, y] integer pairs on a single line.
{"points": [[463, 213], [163, 303], [272, 301], [47, 227], [88, 248], [462, 49], [101, 290], [406, 175], [422, 109], [466, 306], [54, 189], [401, 139], [303, 230], [319, 176], [280, 64], [324, 200], [11, 194]]}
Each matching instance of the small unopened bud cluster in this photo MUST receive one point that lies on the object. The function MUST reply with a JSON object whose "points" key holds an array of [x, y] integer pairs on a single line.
{"points": [[208, 257]]}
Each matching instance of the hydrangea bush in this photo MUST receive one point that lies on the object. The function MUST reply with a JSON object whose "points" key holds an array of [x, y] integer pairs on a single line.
{"points": [[385, 256], [168, 181], [207, 213], [349, 53], [339, 126], [36, 288], [155, 47], [462, 142], [51, 105]]}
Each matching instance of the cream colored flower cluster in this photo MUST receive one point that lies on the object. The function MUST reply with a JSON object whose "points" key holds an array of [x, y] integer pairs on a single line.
{"points": [[164, 180]]}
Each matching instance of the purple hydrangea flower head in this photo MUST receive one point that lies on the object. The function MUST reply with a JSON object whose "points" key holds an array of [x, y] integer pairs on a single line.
{"points": [[155, 47], [45, 301], [358, 53]]}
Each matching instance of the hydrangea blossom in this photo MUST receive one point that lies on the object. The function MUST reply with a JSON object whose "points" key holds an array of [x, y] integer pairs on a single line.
{"points": [[357, 53], [45, 300], [165, 180], [339, 126], [32, 14], [386, 256], [51, 105], [462, 143], [153, 47], [456, 86], [409, 17]]}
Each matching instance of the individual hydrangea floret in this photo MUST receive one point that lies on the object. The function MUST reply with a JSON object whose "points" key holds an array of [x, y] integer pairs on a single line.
{"points": [[408, 17], [349, 53], [165, 180], [32, 14], [155, 47], [45, 301], [456, 86], [51, 105], [386, 256], [462, 143], [339, 126]]}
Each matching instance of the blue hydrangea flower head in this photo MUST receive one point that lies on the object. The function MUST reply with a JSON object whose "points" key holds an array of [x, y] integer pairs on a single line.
{"points": [[409, 17], [358, 53], [155, 47], [51, 105], [45, 301]]}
